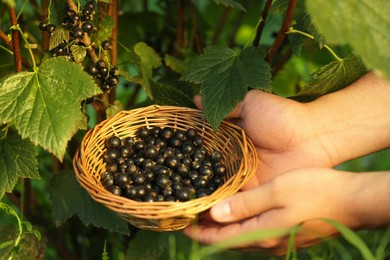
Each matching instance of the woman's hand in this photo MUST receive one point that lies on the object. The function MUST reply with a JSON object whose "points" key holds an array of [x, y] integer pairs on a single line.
{"points": [[357, 200]]}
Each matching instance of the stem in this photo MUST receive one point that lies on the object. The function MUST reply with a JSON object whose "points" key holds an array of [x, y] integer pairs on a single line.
{"points": [[4, 37], [312, 37], [114, 45], [28, 47], [260, 27], [15, 39], [7, 50], [21, 9], [86, 39], [282, 32]]}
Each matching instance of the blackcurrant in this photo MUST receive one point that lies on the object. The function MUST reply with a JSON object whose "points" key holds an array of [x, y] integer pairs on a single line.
{"points": [[113, 142], [114, 189], [125, 151], [50, 28], [139, 145], [198, 141], [128, 141], [181, 135], [78, 33], [147, 164], [216, 156], [92, 70], [175, 142], [150, 151], [42, 26], [87, 27], [143, 132], [172, 162], [138, 179], [106, 45], [122, 179], [183, 195], [112, 167], [191, 133], [112, 80], [163, 181], [111, 155], [89, 5], [100, 64], [220, 170], [131, 192], [167, 133]]}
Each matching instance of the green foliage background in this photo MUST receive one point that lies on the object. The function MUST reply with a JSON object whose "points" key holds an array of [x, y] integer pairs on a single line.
{"points": [[167, 52]]}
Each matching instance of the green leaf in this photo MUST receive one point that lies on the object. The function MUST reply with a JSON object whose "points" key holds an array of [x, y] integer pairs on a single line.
{"points": [[6, 243], [105, 253], [153, 241], [45, 105], [69, 198], [79, 53], [148, 60], [113, 109], [225, 76], [230, 3], [60, 35], [107, 24], [352, 238], [332, 77], [165, 94], [363, 25], [17, 159], [175, 64]]}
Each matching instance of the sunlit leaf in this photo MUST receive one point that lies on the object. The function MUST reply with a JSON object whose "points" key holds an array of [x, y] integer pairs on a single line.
{"points": [[79, 53], [175, 64], [225, 75], [60, 35], [332, 77], [363, 25], [45, 105]]}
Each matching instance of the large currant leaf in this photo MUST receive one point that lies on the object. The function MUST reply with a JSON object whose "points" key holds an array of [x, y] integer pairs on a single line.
{"points": [[69, 198], [364, 25], [17, 159], [44, 105], [147, 60], [225, 75], [331, 77]]}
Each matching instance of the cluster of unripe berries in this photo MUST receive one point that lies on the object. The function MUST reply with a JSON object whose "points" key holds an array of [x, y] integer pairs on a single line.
{"points": [[161, 164]]}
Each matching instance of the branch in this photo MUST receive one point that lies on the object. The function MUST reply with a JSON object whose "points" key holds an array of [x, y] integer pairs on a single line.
{"points": [[282, 32], [283, 60], [260, 28], [15, 40], [86, 39], [114, 46], [4, 37]]}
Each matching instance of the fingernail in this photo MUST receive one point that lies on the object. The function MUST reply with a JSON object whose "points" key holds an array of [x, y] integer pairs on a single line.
{"points": [[222, 210]]}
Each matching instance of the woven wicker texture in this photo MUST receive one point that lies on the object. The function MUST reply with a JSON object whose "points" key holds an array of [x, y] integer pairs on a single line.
{"points": [[239, 157]]}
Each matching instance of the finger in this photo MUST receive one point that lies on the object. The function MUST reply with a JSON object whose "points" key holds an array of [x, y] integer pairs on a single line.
{"points": [[244, 204], [198, 102]]}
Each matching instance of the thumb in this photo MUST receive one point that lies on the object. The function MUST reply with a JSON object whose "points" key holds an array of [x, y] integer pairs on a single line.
{"points": [[244, 204]]}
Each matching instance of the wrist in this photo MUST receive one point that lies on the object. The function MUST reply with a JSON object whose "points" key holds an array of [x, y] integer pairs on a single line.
{"points": [[369, 199], [353, 121]]}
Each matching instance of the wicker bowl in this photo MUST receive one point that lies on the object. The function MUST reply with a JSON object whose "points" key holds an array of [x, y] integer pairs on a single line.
{"points": [[239, 158]]}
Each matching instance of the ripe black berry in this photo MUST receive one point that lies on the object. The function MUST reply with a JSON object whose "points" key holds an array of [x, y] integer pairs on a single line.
{"points": [[122, 179], [129, 141], [172, 162], [191, 133], [131, 192], [167, 133], [116, 190], [100, 64], [138, 179], [125, 151], [87, 27], [113, 142], [106, 45], [183, 195], [197, 141], [78, 33], [92, 70], [163, 181], [220, 170], [143, 132], [42, 26], [50, 28], [112, 80], [216, 156], [89, 5], [111, 155]]}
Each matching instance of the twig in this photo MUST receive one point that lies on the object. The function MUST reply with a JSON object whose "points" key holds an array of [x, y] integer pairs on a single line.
{"points": [[197, 36], [312, 37], [86, 39], [15, 40], [114, 47], [260, 27], [282, 32], [278, 66], [4, 37], [220, 25]]}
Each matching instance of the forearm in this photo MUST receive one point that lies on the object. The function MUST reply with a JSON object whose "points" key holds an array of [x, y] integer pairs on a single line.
{"points": [[354, 121], [370, 199]]}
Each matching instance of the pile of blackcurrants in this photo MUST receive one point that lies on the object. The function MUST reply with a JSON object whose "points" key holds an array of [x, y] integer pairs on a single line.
{"points": [[79, 24], [161, 164]]}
